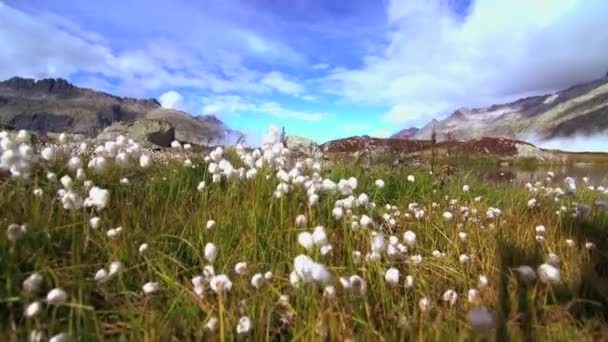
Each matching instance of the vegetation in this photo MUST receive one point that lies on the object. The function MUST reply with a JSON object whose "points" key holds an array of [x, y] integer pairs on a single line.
{"points": [[473, 251]]}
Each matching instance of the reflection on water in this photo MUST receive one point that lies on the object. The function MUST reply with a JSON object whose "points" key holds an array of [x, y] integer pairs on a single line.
{"points": [[597, 174]]}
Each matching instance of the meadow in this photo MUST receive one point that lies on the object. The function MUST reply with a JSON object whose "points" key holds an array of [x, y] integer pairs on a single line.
{"points": [[237, 244]]}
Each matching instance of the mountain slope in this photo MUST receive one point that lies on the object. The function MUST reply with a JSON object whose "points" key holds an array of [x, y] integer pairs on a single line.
{"points": [[579, 110], [406, 133], [55, 105]]}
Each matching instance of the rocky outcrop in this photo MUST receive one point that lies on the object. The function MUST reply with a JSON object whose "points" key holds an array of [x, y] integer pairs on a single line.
{"points": [[302, 146], [151, 131]]}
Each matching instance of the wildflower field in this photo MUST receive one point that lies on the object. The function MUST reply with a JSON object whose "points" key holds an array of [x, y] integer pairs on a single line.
{"points": [[115, 242]]}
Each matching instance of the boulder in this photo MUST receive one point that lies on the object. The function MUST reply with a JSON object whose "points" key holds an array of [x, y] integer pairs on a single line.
{"points": [[302, 146], [155, 132]]}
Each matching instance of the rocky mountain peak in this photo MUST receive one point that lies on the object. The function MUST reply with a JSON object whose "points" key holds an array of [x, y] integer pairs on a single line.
{"points": [[47, 85], [210, 119]]}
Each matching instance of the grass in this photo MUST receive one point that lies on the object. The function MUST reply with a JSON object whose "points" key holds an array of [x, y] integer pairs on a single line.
{"points": [[161, 207]]}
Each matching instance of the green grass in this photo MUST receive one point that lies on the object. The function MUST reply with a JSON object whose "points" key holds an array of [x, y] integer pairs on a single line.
{"points": [[161, 207]]}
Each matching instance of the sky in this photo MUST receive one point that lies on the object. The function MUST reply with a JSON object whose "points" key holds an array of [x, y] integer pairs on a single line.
{"points": [[322, 69]]}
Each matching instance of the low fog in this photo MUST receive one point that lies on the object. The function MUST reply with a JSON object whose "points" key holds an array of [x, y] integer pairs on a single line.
{"points": [[595, 143]]}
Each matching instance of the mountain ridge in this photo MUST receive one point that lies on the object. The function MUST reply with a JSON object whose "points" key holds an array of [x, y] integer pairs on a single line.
{"points": [[580, 110], [53, 105]]}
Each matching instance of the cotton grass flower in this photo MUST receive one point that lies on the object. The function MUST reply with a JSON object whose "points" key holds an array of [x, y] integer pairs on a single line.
{"points": [[210, 252], [210, 224], [150, 288], [212, 324], [244, 326], [201, 186], [113, 233], [101, 276], [481, 320], [548, 274], [15, 231], [409, 237], [450, 296], [424, 304], [32, 283], [143, 248], [240, 268], [220, 283], [33, 310], [63, 337], [306, 240], [379, 183], [448, 216], [411, 179], [301, 220], [526, 274], [56, 296], [257, 280], [392, 276], [309, 271], [98, 198], [329, 292], [473, 296], [95, 222]]}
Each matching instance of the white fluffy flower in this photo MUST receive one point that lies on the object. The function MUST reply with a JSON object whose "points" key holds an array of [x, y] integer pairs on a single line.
{"points": [[15, 231], [240, 268], [220, 283], [379, 183], [32, 283], [212, 324], [210, 252], [48, 153], [424, 304], [33, 309], [257, 280], [392, 276], [319, 236], [409, 237], [210, 224], [56, 296], [244, 325], [145, 161], [306, 240], [98, 198], [481, 320], [150, 288], [548, 274], [94, 222], [450, 296]]}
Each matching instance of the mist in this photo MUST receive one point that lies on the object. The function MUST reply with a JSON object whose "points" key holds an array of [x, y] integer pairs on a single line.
{"points": [[594, 143]]}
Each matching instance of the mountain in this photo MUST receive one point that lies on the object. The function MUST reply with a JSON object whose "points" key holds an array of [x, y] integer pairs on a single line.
{"points": [[407, 133], [581, 110], [55, 105], [230, 136]]}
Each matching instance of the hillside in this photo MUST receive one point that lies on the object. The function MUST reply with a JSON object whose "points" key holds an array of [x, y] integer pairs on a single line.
{"points": [[55, 105], [581, 110]]}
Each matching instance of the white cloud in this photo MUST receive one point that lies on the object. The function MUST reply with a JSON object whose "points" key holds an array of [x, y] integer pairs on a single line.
{"points": [[278, 81], [232, 104], [171, 100], [275, 109], [435, 60], [321, 66], [47, 45]]}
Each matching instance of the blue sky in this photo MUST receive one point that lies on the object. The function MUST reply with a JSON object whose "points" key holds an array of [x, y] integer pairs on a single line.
{"points": [[322, 69]]}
